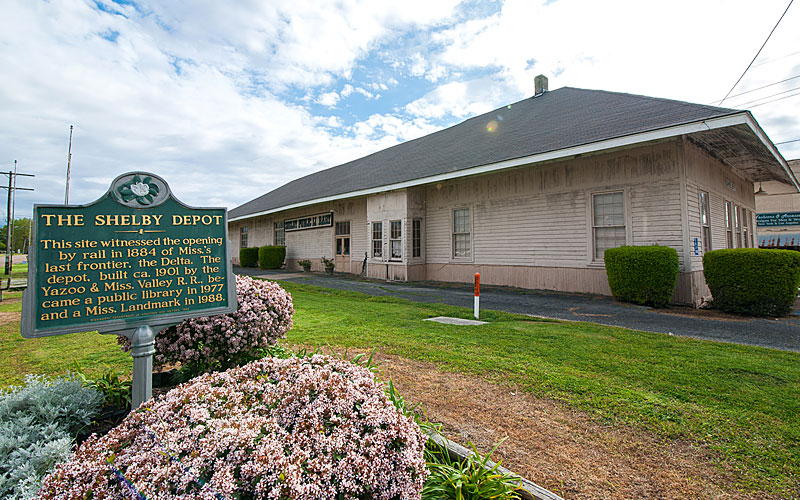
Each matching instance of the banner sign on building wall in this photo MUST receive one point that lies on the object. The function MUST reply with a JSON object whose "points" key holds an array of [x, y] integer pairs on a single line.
{"points": [[778, 219], [308, 222], [137, 256]]}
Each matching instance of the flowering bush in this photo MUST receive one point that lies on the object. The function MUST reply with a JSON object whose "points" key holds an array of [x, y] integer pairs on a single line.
{"points": [[300, 428], [220, 342]]}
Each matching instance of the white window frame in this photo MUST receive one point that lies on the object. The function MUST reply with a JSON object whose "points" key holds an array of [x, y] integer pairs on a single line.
{"points": [[728, 210], [372, 240], [278, 230], [339, 228], [593, 233], [745, 228], [243, 237], [416, 239], [393, 240], [705, 226], [453, 234], [737, 224]]}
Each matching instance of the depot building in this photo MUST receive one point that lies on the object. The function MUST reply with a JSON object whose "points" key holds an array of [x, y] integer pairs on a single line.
{"points": [[531, 195]]}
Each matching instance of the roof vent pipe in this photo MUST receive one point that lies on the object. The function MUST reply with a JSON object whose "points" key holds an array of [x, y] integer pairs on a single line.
{"points": [[540, 84]]}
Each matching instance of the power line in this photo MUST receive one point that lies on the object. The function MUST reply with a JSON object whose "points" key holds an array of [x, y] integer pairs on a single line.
{"points": [[765, 86], [778, 99], [787, 142], [757, 53], [776, 59], [765, 97]]}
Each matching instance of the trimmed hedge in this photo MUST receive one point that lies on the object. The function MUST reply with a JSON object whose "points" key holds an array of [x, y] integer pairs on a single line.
{"points": [[642, 275], [753, 281], [271, 256], [248, 257]]}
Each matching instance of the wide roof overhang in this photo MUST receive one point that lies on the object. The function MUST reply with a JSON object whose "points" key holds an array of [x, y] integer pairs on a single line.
{"points": [[736, 140]]}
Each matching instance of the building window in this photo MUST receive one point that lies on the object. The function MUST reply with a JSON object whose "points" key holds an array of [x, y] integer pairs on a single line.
{"points": [[737, 219], [609, 222], [729, 223], [342, 230], [396, 239], [280, 235], [416, 238], [705, 221], [462, 246], [377, 239], [243, 237], [745, 228]]}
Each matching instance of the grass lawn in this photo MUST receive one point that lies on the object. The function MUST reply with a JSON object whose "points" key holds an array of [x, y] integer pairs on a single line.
{"points": [[53, 355], [740, 401], [17, 271]]}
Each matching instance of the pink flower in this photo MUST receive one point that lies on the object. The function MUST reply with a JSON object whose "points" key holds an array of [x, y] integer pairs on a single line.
{"points": [[299, 428], [263, 317]]}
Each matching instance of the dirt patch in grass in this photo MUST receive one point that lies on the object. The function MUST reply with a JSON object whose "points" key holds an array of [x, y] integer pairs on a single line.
{"points": [[8, 316], [563, 450]]}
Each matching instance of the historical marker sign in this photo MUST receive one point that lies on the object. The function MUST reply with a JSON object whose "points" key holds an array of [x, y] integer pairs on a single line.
{"points": [[137, 256]]}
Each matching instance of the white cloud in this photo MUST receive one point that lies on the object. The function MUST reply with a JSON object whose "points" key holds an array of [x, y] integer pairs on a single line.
{"points": [[390, 129], [178, 95], [462, 99], [328, 99], [219, 94], [685, 50]]}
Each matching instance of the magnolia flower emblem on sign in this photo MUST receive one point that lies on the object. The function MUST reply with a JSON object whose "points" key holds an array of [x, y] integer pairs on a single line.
{"points": [[141, 190]]}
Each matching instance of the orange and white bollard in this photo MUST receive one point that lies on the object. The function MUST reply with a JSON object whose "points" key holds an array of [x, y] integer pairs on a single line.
{"points": [[477, 294]]}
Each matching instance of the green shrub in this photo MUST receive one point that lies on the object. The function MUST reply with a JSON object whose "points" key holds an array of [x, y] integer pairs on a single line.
{"points": [[38, 423], [754, 281], [115, 389], [642, 275], [248, 257], [271, 256]]}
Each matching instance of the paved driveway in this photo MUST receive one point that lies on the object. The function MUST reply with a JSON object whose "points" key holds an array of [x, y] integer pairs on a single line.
{"points": [[783, 333]]}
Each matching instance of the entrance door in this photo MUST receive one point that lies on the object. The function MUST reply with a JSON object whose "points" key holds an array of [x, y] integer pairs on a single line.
{"points": [[343, 246]]}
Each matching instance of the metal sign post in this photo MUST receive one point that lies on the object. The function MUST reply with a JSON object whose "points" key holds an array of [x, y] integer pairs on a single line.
{"points": [[142, 350], [132, 262]]}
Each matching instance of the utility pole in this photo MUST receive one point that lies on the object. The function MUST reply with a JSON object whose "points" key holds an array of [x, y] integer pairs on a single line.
{"points": [[69, 162], [13, 206], [12, 187]]}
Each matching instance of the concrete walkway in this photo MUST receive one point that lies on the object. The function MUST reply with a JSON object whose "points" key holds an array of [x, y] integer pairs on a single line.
{"points": [[782, 333]]}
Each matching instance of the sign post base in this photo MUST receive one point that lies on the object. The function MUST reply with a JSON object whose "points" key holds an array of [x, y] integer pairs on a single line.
{"points": [[142, 350]]}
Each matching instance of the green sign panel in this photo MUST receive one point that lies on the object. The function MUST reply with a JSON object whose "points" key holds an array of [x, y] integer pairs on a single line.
{"points": [[137, 256]]}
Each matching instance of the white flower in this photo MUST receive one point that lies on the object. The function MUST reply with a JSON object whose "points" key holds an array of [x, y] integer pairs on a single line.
{"points": [[140, 189]]}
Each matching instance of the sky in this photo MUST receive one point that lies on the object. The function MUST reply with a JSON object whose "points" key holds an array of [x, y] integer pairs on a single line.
{"points": [[229, 100]]}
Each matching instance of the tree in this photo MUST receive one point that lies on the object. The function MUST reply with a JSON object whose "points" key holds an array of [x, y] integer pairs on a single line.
{"points": [[20, 235]]}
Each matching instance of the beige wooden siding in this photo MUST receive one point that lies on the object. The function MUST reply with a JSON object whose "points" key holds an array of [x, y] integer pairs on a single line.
{"points": [[356, 212], [310, 244], [695, 224], [538, 216], [544, 230], [656, 215], [722, 184], [437, 241]]}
